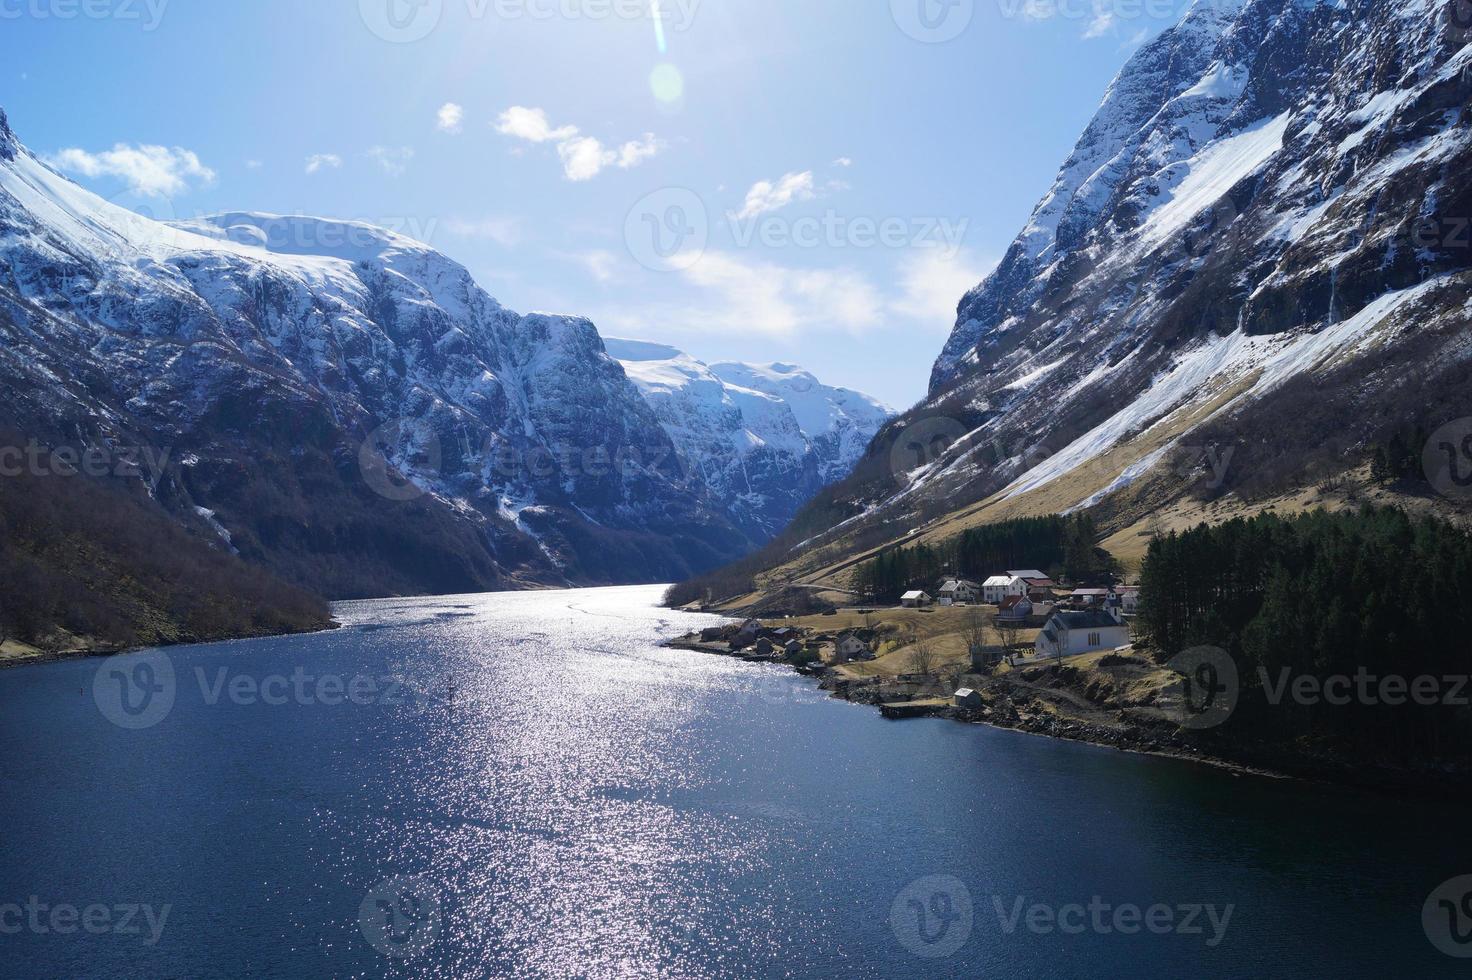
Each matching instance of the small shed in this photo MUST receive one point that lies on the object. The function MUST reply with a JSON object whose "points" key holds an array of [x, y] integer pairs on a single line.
{"points": [[916, 600], [966, 698]]}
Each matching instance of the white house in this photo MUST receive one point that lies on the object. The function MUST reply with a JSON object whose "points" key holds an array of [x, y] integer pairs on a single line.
{"points": [[994, 589], [1129, 599], [915, 600], [1068, 634], [850, 647], [958, 590]]}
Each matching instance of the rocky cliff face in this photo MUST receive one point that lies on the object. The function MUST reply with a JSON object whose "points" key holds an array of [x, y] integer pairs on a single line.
{"points": [[1258, 250], [763, 438], [347, 405]]}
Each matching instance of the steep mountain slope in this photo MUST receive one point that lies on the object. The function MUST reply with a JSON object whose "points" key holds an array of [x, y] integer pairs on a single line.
{"points": [[1253, 267], [764, 438], [348, 406]]}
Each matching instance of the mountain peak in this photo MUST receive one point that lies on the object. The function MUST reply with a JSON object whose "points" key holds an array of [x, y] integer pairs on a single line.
{"points": [[7, 138]]}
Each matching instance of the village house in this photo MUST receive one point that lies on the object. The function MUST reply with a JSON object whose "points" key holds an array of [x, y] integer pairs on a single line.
{"points": [[958, 591], [765, 647], [850, 648], [994, 589], [1068, 634], [1039, 589], [1015, 609], [1129, 599], [915, 600], [1092, 598], [793, 649], [746, 635]]}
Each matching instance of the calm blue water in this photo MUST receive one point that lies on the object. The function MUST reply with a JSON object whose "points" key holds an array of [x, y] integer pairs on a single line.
{"points": [[553, 795]]}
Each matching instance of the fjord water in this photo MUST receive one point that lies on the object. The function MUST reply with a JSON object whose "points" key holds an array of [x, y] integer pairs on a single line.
{"points": [[565, 798]]}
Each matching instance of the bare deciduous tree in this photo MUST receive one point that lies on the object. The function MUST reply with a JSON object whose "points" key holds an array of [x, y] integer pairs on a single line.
{"points": [[922, 658]]}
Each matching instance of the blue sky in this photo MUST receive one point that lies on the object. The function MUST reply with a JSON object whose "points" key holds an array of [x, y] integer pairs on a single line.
{"points": [[812, 181]]}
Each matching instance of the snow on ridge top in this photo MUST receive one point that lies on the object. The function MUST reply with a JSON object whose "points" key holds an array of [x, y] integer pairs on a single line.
{"points": [[302, 235]]}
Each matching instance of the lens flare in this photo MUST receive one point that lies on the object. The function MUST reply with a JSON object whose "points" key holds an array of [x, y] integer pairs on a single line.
{"points": [[667, 83], [658, 26]]}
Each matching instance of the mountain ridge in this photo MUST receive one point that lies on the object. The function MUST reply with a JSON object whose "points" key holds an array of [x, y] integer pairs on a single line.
{"points": [[347, 403], [764, 438], [1249, 255]]}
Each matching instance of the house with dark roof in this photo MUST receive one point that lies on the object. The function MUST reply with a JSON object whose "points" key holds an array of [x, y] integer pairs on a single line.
{"points": [[958, 590], [1068, 634], [1014, 609]]}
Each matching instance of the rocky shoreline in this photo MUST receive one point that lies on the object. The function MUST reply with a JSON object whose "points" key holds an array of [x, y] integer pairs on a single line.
{"points": [[31, 656], [1005, 706], [1052, 701]]}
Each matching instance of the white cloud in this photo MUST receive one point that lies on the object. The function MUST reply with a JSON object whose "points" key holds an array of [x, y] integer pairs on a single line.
{"points": [[450, 119], [583, 157], [763, 297], [933, 280], [502, 231], [395, 162], [323, 161], [601, 264], [532, 125], [253, 165], [766, 196], [1102, 23], [149, 171], [843, 162]]}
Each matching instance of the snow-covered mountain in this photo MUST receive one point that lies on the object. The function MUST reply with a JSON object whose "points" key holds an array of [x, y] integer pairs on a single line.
{"points": [[342, 404], [763, 438], [1258, 252]]}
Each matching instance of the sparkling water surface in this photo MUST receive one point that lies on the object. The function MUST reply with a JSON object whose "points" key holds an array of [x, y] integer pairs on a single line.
{"points": [[528, 785]]}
